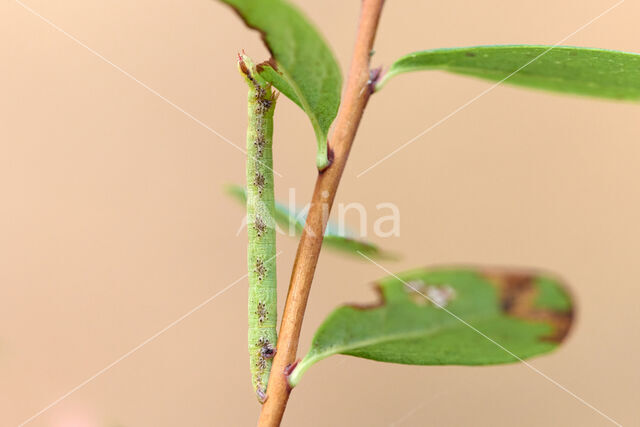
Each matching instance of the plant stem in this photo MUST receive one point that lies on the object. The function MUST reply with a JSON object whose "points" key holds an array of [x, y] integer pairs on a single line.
{"points": [[359, 88]]}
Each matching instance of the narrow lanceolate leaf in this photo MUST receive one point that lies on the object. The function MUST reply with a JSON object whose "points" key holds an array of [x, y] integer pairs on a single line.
{"points": [[449, 316], [302, 65], [576, 70], [293, 222]]}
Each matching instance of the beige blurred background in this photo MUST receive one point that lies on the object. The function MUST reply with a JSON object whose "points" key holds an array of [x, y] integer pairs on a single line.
{"points": [[113, 223]]}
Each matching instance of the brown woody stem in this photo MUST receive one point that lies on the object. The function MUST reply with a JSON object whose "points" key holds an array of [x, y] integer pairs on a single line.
{"points": [[359, 88]]}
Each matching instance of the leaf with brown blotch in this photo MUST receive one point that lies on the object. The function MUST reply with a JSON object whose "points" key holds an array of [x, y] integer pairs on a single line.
{"points": [[449, 316]]}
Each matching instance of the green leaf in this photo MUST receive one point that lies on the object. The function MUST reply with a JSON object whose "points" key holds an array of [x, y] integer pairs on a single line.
{"points": [[449, 316], [576, 70], [333, 237], [302, 65]]}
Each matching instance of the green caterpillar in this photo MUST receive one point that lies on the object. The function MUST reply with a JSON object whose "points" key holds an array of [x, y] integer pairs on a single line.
{"points": [[261, 227]]}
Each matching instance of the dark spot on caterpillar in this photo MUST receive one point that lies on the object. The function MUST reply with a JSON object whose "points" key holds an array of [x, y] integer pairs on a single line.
{"points": [[259, 181], [261, 363], [259, 144], [267, 350], [259, 226], [262, 396], [470, 54], [260, 97], [262, 314], [265, 103], [260, 269]]}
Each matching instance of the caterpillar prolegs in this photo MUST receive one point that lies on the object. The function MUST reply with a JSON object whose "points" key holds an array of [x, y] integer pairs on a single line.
{"points": [[261, 227]]}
